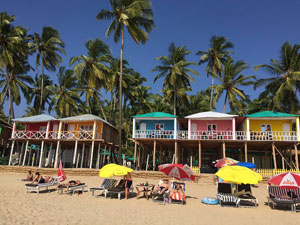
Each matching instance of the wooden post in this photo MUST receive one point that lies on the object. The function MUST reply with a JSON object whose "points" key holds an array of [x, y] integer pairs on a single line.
{"points": [[140, 156], [25, 153], [92, 154], [176, 153], [200, 155], [41, 155], [109, 155], [11, 152], [75, 153], [47, 130], [22, 153], [246, 152], [58, 145], [13, 130], [298, 129], [189, 129], [98, 156], [233, 129], [224, 150], [104, 155], [29, 156], [248, 129], [260, 159], [147, 162], [160, 154], [82, 154], [134, 155], [77, 161], [296, 156], [133, 128], [154, 153], [274, 156], [49, 160], [266, 159]]}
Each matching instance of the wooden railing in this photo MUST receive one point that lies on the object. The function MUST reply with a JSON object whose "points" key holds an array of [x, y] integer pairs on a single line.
{"points": [[65, 135], [272, 172], [168, 134], [196, 169], [273, 136]]}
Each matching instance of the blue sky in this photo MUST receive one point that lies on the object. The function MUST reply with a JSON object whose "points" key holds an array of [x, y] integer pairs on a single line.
{"points": [[257, 29]]}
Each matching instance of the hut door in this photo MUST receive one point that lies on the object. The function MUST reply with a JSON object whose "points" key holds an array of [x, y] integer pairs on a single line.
{"points": [[143, 130], [194, 131], [286, 132], [71, 128], [143, 126], [55, 128]]}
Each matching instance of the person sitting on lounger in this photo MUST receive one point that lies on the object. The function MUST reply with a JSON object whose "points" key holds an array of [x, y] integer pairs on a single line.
{"points": [[29, 176], [177, 189], [128, 183], [162, 188], [38, 178]]}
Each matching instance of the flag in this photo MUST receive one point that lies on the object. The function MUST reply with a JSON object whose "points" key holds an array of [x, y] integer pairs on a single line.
{"points": [[61, 175]]}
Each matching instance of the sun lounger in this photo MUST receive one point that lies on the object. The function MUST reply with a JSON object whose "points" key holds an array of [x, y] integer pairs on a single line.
{"points": [[106, 184], [296, 199], [72, 189], [159, 196], [225, 195], [177, 197], [275, 198], [37, 187], [118, 190], [244, 193]]}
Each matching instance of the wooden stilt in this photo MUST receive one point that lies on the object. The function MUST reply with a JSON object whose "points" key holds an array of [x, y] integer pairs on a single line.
{"points": [[134, 155], [77, 161], [266, 159], [140, 156], [109, 155], [82, 155], [29, 156], [176, 153], [224, 149], [56, 155], [260, 159], [104, 155], [98, 157], [296, 157], [75, 153], [22, 154], [274, 156], [246, 152], [42, 154], [147, 163], [11, 152], [154, 153], [200, 154], [92, 154], [160, 154], [25, 153]]}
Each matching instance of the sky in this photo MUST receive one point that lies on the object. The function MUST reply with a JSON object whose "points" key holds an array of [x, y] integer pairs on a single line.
{"points": [[257, 29]]}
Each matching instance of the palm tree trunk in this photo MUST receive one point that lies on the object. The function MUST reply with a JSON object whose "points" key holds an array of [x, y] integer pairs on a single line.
{"points": [[42, 89], [225, 100], [120, 95], [174, 102], [212, 92], [11, 105]]}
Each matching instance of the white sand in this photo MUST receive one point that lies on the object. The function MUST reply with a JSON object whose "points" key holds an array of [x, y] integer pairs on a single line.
{"points": [[17, 207]]}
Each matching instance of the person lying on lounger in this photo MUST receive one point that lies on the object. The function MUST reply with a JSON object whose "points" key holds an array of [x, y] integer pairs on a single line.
{"points": [[38, 178], [177, 189], [29, 176], [162, 188], [71, 183]]}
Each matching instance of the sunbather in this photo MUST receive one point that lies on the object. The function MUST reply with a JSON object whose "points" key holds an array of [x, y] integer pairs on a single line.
{"points": [[38, 178], [71, 183], [177, 189], [162, 188], [128, 184], [29, 176]]}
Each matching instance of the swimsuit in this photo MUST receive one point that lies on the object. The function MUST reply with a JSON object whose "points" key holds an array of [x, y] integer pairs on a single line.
{"points": [[42, 181], [128, 183]]}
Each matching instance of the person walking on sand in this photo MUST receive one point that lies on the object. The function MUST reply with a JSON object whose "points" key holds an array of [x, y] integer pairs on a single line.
{"points": [[128, 183]]}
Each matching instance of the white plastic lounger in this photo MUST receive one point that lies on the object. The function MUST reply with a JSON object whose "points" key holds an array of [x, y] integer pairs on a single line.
{"points": [[73, 189], [107, 183], [37, 187]]}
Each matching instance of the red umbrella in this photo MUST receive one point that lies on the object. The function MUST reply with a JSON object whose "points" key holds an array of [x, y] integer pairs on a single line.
{"points": [[179, 173], [226, 162], [61, 174], [286, 180]]}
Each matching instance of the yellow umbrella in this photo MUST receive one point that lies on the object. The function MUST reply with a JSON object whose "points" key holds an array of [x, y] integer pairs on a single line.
{"points": [[239, 175], [112, 169]]}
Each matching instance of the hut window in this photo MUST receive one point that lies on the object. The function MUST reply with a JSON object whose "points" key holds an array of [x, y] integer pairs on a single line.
{"points": [[159, 126], [43, 128], [86, 128], [211, 127], [266, 127]]}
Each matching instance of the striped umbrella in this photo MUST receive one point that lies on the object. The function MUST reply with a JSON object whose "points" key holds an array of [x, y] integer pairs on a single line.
{"points": [[184, 173], [286, 180]]}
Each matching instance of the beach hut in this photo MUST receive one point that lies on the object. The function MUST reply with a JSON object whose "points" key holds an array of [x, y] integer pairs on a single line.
{"points": [[211, 125]]}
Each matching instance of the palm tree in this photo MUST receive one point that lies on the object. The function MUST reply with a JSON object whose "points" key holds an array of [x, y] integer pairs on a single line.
{"points": [[215, 56], [136, 15], [48, 47], [90, 70], [230, 82], [284, 83], [34, 94], [14, 46], [66, 99], [198, 103], [174, 68]]}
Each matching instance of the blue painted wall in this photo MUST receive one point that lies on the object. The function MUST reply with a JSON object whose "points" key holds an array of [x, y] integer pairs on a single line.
{"points": [[150, 124]]}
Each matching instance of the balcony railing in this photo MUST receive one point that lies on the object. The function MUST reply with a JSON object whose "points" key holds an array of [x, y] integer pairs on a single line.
{"points": [[166, 134], [204, 135], [65, 135], [273, 136]]}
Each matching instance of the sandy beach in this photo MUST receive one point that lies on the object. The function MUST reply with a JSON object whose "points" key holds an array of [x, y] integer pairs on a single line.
{"points": [[17, 207]]}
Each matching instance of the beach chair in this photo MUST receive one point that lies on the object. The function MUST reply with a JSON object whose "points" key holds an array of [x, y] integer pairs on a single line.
{"points": [[15, 159], [244, 193], [279, 197], [72, 189], [37, 187], [159, 196], [225, 195], [118, 190], [296, 198], [106, 184], [177, 197]]}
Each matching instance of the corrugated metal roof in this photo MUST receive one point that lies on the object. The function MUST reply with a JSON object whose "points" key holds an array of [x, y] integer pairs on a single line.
{"points": [[35, 119], [155, 115], [271, 114], [85, 117], [209, 114]]}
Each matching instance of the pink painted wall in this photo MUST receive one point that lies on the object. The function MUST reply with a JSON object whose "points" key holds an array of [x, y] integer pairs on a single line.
{"points": [[36, 126], [222, 125]]}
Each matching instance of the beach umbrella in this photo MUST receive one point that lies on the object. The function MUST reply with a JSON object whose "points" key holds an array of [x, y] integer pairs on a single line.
{"points": [[61, 174], [112, 169], [239, 175], [225, 162], [286, 180], [247, 164], [183, 173]]}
